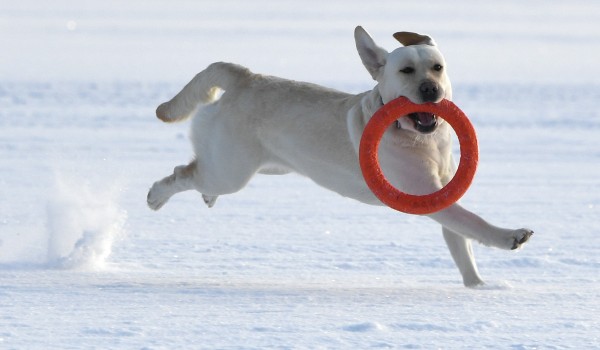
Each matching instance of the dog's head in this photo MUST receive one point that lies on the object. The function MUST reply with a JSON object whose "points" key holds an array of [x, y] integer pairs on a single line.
{"points": [[417, 71]]}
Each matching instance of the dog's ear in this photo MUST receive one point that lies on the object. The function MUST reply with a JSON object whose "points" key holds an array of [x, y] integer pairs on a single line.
{"points": [[409, 38], [372, 56]]}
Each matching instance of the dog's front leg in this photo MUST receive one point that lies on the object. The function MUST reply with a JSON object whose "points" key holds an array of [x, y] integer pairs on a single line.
{"points": [[461, 248], [467, 224], [462, 254]]}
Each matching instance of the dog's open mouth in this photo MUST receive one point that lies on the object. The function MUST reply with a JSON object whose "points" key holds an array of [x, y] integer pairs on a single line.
{"points": [[424, 122]]}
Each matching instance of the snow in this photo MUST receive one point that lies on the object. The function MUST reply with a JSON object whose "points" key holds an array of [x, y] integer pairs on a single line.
{"points": [[285, 264]]}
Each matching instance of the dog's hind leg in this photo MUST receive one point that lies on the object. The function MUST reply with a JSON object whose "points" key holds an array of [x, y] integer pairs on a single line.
{"points": [[181, 180], [462, 254]]}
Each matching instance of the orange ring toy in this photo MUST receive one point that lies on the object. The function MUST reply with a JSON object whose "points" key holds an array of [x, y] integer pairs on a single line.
{"points": [[418, 204]]}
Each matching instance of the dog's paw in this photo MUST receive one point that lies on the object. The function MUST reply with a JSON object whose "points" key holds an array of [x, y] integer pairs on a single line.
{"points": [[474, 282], [209, 200], [156, 197], [520, 237]]}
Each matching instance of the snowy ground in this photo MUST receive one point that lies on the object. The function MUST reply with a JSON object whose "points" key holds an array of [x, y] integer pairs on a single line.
{"points": [[285, 264]]}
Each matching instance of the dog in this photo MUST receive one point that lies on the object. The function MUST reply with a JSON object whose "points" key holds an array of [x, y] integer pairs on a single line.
{"points": [[246, 123]]}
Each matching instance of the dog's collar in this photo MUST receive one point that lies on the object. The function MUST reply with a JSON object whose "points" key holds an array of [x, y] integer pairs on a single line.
{"points": [[381, 104]]}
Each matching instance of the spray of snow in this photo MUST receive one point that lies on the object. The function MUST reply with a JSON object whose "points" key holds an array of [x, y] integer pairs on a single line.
{"points": [[82, 225]]}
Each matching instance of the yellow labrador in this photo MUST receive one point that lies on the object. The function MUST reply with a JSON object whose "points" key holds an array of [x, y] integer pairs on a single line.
{"points": [[246, 123]]}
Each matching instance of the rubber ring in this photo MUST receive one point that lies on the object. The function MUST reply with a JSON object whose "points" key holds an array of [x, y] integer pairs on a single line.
{"points": [[418, 204]]}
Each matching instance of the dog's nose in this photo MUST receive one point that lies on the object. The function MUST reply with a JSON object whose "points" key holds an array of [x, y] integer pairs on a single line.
{"points": [[429, 91]]}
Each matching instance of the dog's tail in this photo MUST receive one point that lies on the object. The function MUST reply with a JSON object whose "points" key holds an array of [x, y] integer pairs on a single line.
{"points": [[204, 88]]}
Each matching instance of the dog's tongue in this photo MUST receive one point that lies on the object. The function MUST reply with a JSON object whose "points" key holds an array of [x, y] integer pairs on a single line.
{"points": [[425, 119]]}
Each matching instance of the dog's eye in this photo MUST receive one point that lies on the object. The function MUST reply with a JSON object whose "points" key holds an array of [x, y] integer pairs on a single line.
{"points": [[438, 67], [407, 70]]}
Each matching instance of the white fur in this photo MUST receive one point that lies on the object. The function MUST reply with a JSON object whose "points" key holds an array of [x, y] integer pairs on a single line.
{"points": [[265, 124]]}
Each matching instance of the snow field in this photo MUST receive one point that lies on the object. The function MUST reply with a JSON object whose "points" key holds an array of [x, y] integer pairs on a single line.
{"points": [[284, 264]]}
